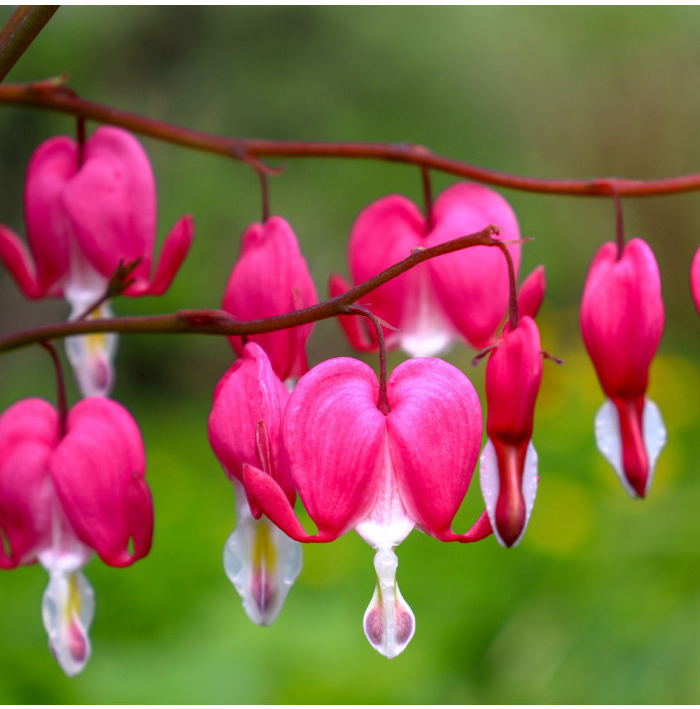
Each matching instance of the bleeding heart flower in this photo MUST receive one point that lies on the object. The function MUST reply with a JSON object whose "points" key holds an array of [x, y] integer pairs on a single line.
{"points": [[463, 294], [508, 470], [83, 219], [271, 278], [245, 427], [380, 472], [622, 319], [63, 497]]}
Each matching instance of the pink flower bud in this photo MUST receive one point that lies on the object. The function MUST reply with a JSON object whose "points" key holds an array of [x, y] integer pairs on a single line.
{"points": [[509, 461], [622, 319], [271, 278], [531, 293]]}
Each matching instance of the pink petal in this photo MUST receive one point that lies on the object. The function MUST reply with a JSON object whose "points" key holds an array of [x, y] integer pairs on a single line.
{"points": [[271, 278], [513, 377], [472, 285], [269, 496], [98, 470], [359, 335], [434, 429], [531, 293], [28, 436], [622, 317], [50, 169], [478, 531], [335, 436], [19, 263], [695, 279], [175, 248], [111, 202], [383, 234], [248, 394]]}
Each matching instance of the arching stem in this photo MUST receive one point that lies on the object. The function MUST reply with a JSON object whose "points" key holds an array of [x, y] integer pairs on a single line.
{"points": [[513, 315], [61, 401], [427, 196], [80, 133], [383, 403]]}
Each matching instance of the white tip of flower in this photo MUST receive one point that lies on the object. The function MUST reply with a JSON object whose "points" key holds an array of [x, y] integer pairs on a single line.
{"points": [[609, 441], [389, 622], [430, 333], [92, 356], [262, 563], [489, 480], [67, 609]]}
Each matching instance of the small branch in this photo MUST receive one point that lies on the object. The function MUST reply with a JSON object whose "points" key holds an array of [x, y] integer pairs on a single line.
{"points": [[217, 322], [619, 222], [61, 402], [118, 283], [20, 31], [47, 95], [427, 196], [513, 315]]}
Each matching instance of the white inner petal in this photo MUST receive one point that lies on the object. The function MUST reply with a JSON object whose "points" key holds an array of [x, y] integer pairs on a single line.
{"points": [[388, 523], [261, 561], [388, 622], [429, 332], [67, 610], [609, 442]]}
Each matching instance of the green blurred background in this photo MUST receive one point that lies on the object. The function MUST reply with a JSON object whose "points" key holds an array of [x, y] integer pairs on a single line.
{"points": [[601, 601]]}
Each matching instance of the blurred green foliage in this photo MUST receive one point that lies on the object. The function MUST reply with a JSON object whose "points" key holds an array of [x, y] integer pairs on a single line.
{"points": [[601, 601]]}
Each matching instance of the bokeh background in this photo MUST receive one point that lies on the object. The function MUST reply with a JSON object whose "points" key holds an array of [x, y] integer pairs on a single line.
{"points": [[601, 601]]}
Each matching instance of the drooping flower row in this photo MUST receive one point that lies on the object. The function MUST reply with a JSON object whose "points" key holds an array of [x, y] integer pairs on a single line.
{"points": [[380, 461]]}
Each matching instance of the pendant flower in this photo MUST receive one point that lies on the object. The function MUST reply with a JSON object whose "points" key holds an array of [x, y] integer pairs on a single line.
{"points": [[271, 278], [63, 497], [459, 295], [380, 473], [622, 319], [508, 470], [245, 427], [84, 218]]}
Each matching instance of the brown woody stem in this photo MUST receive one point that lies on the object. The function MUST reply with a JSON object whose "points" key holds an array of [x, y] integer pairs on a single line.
{"points": [[52, 95], [217, 322], [20, 31], [61, 401]]}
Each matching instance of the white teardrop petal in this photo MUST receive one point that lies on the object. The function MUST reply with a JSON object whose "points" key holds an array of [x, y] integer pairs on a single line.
{"points": [[654, 433], [262, 563], [68, 607], [609, 441], [388, 622], [92, 356], [530, 482], [490, 484]]}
